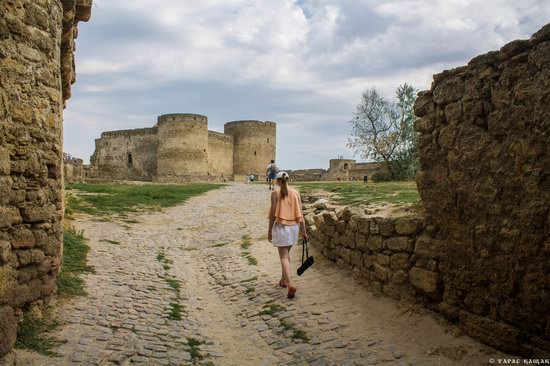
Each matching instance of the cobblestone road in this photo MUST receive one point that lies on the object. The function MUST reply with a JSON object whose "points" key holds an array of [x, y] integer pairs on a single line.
{"points": [[179, 288]]}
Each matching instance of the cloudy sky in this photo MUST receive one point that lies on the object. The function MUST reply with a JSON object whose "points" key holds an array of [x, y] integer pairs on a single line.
{"points": [[301, 63]]}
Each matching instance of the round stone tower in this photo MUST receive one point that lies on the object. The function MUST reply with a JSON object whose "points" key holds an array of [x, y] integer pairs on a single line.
{"points": [[253, 146], [182, 149]]}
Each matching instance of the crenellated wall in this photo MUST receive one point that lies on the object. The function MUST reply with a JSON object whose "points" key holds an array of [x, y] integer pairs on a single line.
{"points": [[37, 69]]}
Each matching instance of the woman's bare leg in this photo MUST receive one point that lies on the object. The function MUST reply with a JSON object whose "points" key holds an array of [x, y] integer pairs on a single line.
{"points": [[284, 256]]}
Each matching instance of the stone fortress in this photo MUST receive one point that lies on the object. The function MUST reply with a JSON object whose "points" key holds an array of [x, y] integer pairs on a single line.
{"points": [[180, 148], [339, 169]]}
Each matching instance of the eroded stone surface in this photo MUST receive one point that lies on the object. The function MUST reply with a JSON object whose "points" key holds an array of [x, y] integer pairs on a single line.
{"points": [[485, 162], [37, 70]]}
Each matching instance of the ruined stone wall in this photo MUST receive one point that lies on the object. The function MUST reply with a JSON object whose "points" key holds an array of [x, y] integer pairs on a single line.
{"points": [[485, 184], [337, 171], [388, 254], [306, 175], [73, 170], [481, 255], [360, 170], [253, 145], [36, 68], [127, 154], [220, 156]]}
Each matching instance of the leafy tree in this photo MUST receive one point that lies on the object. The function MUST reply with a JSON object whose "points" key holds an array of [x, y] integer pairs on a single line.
{"points": [[382, 130]]}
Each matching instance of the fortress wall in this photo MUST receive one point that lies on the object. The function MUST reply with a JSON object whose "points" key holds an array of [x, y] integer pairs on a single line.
{"points": [[485, 184], [306, 175], [253, 145], [220, 156], [127, 154], [182, 152], [36, 49], [359, 170], [338, 169], [73, 171], [481, 255]]}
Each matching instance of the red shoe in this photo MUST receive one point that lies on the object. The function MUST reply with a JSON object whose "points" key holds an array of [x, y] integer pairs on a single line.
{"points": [[281, 283], [291, 292]]}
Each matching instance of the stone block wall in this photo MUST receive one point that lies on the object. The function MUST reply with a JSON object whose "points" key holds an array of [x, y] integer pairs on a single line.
{"points": [[36, 68], [73, 170], [404, 259], [485, 183], [127, 155], [482, 254], [220, 156], [384, 252]]}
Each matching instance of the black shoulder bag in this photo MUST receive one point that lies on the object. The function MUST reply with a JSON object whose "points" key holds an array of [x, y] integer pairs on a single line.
{"points": [[307, 263]]}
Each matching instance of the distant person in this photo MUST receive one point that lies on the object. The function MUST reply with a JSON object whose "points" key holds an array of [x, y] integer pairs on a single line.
{"points": [[271, 174], [285, 219], [252, 177]]}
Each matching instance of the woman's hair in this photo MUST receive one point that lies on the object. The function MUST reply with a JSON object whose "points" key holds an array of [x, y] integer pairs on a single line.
{"points": [[284, 186]]}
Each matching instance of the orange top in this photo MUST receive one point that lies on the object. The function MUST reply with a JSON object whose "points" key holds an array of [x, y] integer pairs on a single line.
{"points": [[288, 210]]}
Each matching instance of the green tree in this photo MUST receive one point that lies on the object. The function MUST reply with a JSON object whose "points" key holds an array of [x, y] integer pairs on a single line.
{"points": [[382, 130]]}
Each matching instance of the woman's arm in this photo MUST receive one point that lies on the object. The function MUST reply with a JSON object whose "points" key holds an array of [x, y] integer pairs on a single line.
{"points": [[272, 215]]}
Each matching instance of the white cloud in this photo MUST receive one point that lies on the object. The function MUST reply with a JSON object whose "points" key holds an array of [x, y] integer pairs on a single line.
{"points": [[314, 55]]}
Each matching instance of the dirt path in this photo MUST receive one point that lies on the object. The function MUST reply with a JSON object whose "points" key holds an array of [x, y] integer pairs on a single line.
{"points": [[191, 257]]}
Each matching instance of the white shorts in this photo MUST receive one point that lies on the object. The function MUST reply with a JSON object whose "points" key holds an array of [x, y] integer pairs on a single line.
{"points": [[285, 235]]}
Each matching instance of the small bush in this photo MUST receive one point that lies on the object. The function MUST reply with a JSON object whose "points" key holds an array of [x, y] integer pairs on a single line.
{"points": [[380, 176]]}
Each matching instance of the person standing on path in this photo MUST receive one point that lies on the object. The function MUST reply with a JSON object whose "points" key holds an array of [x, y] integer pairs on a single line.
{"points": [[285, 220], [271, 174]]}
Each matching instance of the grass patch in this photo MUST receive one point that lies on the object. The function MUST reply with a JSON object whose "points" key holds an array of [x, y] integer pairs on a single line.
{"points": [[109, 199], [272, 309], [174, 284], [296, 332], [354, 193], [110, 241], [32, 334], [161, 256], [246, 242], [175, 311], [249, 290], [75, 251], [194, 350]]}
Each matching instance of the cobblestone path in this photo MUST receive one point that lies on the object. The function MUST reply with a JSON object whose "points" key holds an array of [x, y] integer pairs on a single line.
{"points": [[179, 288]]}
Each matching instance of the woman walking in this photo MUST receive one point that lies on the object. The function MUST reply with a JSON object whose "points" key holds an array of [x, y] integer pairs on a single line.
{"points": [[285, 219]]}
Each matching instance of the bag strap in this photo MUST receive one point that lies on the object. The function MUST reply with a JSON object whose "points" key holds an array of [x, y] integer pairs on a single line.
{"points": [[304, 248]]}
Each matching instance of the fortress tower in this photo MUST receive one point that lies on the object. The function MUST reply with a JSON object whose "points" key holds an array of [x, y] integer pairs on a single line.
{"points": [[253, 146], [182, 149]]}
